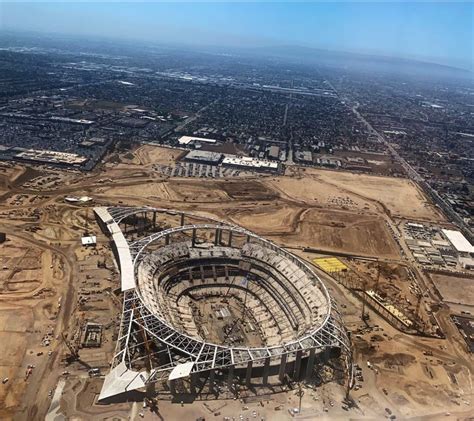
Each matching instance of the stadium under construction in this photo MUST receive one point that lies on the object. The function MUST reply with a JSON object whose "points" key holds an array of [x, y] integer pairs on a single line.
{"points": [[210, 305]]}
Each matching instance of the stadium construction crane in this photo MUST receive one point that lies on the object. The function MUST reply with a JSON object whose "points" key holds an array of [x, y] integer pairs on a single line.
{"points": [[73, 345], [376, 288], [73, 351], [364, 315]]}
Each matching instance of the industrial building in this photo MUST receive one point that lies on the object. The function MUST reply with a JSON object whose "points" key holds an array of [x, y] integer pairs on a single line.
{"points": [[89, 240], [459, 242], [233, 161], [248, 163], [274, 152], [189, 282], [203, 157], [304, 156], [192, 140], [50, 157]]}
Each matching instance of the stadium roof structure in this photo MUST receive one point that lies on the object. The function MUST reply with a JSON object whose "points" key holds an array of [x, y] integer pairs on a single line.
{"points": [[144, 321]]}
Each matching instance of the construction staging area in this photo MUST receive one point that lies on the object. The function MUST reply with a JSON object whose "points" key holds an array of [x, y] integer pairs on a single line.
{"points": [[258, 280]]}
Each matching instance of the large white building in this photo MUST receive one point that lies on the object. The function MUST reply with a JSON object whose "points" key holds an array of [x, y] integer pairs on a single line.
{"points": [[459, 242], [248, 163], [189, 140]]}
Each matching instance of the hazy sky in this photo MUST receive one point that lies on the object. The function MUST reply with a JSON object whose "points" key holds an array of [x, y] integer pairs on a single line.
{"points": [[434, 31]]}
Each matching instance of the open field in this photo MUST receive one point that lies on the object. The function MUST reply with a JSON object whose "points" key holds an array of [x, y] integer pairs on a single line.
{"points": [[312, 191], [149, 190], [347, 232], [454, 289], [8, 175], [148, 154], [26, 309], [399, 196], [278, 218]]}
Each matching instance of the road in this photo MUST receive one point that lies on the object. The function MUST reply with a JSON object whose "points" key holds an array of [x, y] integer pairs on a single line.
{"points": [[406, 166], [183, 124]]}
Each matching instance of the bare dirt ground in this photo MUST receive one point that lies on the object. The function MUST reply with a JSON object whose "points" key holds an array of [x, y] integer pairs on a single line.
{"points": [[28, 306], [454, 289], [401, 197], [148, 154], [317, 228], [8, 174], [318, 193], [336, 211]]}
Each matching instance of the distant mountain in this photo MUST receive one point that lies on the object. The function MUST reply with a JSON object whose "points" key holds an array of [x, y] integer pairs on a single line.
{"points": [[294, 53], [359, 61]]}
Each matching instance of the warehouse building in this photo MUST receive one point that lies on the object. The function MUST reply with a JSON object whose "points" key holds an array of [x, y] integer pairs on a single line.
{"points": [[192, 141], [459, 242], [248, 163], [203, 157]]}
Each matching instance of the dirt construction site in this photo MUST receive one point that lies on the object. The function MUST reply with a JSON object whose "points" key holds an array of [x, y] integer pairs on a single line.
{"points": [[60, 301]]}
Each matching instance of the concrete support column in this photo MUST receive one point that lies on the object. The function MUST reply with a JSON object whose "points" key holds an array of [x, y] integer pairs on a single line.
{"points": [[167, 239], [212, 380], [248, 377], [327, 353], [154, 219], [216, 237], [296, 372], [281, 373], [248, 238], [226, 270], [194, 382], [193, 240], [230, 377], [173, 387], [230, 238], [182, 219], [310, 364], [266, 370]]}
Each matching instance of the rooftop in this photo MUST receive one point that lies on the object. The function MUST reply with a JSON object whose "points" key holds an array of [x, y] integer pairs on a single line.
{"points": [[459, 242], [250, 162], [186, 140]]}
